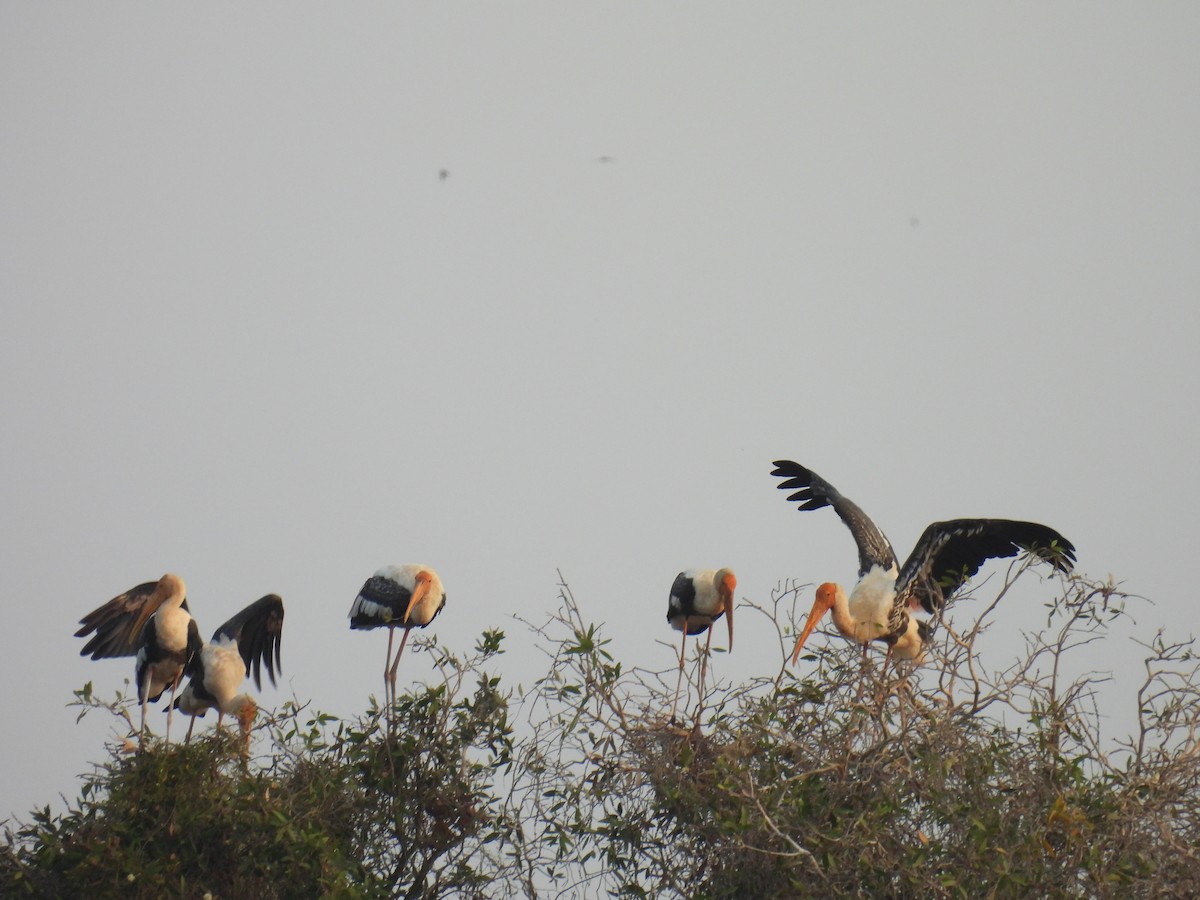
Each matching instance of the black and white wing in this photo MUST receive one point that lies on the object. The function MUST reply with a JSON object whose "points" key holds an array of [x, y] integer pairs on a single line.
{"points": [[682, 601], [949, 553], [116, 627], [258, 632], [874, 549]]}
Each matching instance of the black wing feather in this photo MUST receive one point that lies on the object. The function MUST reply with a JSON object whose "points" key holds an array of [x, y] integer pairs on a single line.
{"points": [[949, 553], [385, 591], [874, 549], [683, 598], [258, 631]]}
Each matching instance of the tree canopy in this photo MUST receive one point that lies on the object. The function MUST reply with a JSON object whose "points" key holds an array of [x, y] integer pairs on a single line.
{"points": [[829, 779]]}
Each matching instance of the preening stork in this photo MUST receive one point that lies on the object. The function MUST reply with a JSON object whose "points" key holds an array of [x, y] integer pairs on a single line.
{"points": [[698, 598], [408, 596], [151, 622], [247, 642], [947, 554]]}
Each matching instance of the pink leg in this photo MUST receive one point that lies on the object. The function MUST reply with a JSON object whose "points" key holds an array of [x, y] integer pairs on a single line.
{"points": [[703, 673], [171, 705], [396, 664], [886, 660], [391, 678], [145, 700], [882, 677], [679, 680], [387, 661], [862, 675]]}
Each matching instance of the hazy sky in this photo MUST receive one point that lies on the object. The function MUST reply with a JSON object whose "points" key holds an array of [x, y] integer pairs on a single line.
{"points": [[944, 254]]}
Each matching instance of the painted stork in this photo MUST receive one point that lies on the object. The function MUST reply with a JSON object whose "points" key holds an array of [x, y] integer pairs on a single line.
{"points": [[151, 622], [247, 642], [408, 596], [698, 598], [947, 554]]}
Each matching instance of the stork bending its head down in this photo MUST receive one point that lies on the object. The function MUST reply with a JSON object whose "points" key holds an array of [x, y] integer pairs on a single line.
{"points": [[247, 642], [698, 598], [407, 597]]}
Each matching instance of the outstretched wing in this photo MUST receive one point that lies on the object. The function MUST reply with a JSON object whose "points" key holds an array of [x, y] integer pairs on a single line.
{"points": [[949, 553], [116, 627], [815, 492], [258, 631]]}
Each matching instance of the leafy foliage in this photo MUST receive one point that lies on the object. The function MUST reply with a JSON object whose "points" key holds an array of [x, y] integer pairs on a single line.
{"points": [[837, 778], [366, 808]]}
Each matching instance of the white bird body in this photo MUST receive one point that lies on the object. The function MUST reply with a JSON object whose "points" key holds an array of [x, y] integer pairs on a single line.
{"points": [[163, 655], [698, 597], [864, 617], [870, 605], [223, 673]]}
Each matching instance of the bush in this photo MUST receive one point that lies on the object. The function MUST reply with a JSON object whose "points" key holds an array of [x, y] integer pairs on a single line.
{"points": [[361, 808]]}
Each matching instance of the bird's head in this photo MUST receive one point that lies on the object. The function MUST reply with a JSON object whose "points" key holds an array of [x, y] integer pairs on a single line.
{"points": [[726, 585], [246, 712], [420, 589], [171, 586], [824, 602]]}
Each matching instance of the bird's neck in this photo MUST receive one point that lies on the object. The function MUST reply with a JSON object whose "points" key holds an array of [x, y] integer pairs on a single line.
{"points": [[842, 620]]}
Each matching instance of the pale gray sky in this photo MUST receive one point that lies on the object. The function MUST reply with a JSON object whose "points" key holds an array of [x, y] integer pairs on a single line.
{"points": [[946, 255]]}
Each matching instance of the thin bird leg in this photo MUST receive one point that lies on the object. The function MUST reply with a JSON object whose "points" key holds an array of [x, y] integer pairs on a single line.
{"points": [[145, 695], [901, 694], [171, 706], [703, 672], [392, 682], [886, 660], [862, 675], [387, 661], [191, 725], [396, 664], [220, 716], [679, 680], [883, 676]]}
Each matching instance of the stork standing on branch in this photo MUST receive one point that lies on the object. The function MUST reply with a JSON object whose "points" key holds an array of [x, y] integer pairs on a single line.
{"points": [[947, 554], [151, 622], [407, 597], [698, 598], [247, 642]]}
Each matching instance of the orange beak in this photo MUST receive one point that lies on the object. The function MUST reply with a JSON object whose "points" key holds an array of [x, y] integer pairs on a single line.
{"points": [[728, 586], [148, 610], [819, 608], [418, 594]]}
